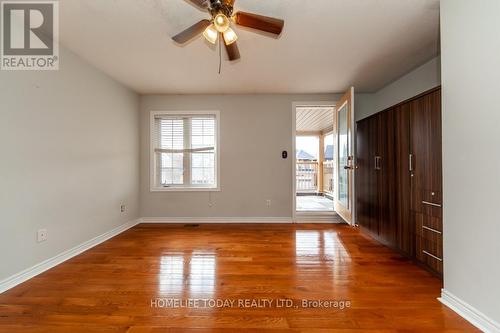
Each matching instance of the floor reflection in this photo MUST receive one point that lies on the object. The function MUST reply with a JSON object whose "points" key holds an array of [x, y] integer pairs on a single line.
{"points": [[333, 246], [315, 247], [197, 277], [172, 274], [202, 273], [307, 245]]}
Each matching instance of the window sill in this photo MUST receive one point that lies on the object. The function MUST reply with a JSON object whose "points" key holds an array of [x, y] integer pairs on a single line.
{"points": [[185, 189]]}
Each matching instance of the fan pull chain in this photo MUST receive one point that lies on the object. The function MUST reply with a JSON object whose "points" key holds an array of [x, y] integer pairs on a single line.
{"points": [[220, 53]]}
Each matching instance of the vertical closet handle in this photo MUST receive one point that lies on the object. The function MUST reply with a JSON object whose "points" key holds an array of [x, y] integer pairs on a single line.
{"points": [[377, 162], [411, 162]]}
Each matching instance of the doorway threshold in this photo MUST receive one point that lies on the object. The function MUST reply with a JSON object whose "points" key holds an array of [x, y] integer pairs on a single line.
{"points": [[317, 217]]}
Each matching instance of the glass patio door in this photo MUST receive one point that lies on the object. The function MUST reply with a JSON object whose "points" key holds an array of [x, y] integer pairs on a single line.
{"points": [[344, 170]]}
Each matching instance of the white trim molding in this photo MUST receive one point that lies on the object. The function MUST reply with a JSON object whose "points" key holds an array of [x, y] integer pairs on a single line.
{"points": [[469, 313], [306, 218], [318, 218], [293, 154], [208, 220], [39, 268]]}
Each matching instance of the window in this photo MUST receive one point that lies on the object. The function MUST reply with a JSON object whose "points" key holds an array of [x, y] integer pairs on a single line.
{"points": [[184, 151]]}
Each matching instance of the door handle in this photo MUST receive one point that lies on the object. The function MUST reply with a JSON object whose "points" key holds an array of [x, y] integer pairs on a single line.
{"points": [[431, 229], [347, 167], [377, 163], [411, 162], [431, 255], [431, 204]]}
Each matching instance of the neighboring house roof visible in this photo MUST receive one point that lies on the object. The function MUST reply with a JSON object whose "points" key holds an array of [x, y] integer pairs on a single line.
{"points": [[329, 153], [303, 155]]}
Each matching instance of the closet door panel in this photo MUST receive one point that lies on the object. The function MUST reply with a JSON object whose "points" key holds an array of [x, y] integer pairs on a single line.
{"points": [[374, 179], [405, 227], [419, 150], [387, 178], [426, 179], [435, 147], [363, 181]]}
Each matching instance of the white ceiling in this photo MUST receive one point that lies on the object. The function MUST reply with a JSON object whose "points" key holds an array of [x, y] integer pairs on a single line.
{"points": [[314, 118], [326, 45]]}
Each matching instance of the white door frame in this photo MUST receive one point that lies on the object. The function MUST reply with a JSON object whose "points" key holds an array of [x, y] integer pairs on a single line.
{"points": [[304, 216]]}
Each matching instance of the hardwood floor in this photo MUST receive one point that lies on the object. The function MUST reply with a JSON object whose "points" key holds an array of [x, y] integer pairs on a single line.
{"points": [[115, 286]]}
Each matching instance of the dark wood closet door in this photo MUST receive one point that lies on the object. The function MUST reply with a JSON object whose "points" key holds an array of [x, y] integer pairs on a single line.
{"points": [[363, 171], [374, 175], [436, 146], [426, 179], [405, 228], [386, 178], [366, 174]]}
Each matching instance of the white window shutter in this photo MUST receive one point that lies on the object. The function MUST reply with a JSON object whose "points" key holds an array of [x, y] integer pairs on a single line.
{"points": [[185, 150]]}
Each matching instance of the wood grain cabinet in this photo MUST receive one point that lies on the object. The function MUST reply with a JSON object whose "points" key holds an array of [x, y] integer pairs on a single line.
{"points": [[375, 184], [399, 178], [426, 179]]}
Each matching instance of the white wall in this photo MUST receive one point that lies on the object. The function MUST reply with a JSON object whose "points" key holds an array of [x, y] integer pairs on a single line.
{"points": [[254, 131], [471, 159], [421, 79], [69, 158]]}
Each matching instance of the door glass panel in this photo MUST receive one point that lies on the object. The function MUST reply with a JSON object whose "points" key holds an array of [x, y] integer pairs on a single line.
{"points": [[343, 155]]}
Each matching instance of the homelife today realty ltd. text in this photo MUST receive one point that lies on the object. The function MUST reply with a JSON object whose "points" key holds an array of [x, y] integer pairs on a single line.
{"points": [[248, 303]]}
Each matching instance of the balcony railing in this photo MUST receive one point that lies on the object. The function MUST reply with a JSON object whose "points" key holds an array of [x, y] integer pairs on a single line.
{"points": [[307, 176], [328, 176]]}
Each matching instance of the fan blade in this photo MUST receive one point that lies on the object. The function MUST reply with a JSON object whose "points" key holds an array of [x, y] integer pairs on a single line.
{"points": [[233, 52], [191, 32], [259, 22], [202, 4]]}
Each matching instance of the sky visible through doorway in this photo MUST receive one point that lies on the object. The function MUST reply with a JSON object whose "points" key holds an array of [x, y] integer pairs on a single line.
{"points": [[309, 144]]}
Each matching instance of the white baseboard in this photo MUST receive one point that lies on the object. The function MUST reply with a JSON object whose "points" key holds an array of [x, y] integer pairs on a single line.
{"points": [[469, 313], [31, 272], [311, 218], [206, 220], [317, 218]]}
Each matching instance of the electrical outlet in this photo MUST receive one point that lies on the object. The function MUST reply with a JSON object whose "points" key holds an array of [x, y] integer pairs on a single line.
{"points": [[268, 203], [122, 208], [41, 235]]}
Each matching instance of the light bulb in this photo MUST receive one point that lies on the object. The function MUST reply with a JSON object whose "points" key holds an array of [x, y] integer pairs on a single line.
{"points": [[211, 34], [221, 22], [230, 36]]}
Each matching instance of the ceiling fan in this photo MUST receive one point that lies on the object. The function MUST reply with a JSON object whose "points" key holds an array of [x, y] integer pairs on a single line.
{"points": [[219, 26]]}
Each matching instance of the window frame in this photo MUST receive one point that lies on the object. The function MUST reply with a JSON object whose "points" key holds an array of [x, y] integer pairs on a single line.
{"points": [[153, 187]]}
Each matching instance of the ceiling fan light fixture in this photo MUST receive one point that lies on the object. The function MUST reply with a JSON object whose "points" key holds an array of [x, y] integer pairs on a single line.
{"points": [[230, 36], [218, 27], [211, 34], [221, 23]]}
